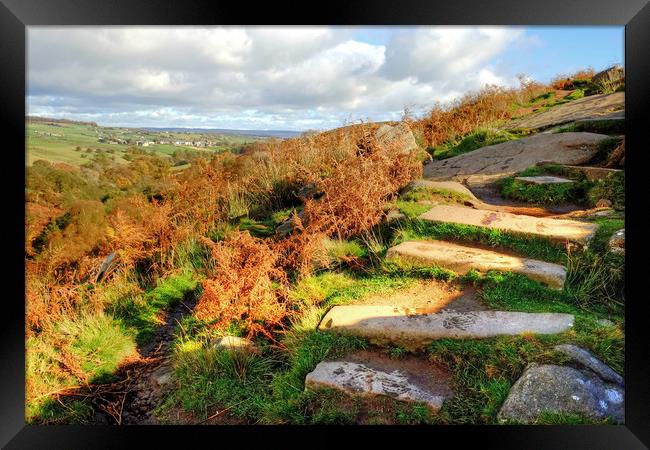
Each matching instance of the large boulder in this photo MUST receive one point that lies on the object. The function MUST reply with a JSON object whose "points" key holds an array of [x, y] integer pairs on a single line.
{"points": [[611, 77], [563, 390], [398, 138], [601, 106], [494, 162]]}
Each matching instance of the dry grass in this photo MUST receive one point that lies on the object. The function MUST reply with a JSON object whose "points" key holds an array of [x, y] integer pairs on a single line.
{"points": [[245, 284], [566, 82], [474, 110]]}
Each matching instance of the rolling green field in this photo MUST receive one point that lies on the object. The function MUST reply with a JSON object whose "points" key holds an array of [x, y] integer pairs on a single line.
{"points": [[69, 142]]}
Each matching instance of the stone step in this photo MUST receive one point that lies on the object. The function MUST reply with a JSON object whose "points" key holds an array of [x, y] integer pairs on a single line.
{"points": [[555, 229], [383, 324], [462, 259], [371, 374], [595, 173], [544, 179]]}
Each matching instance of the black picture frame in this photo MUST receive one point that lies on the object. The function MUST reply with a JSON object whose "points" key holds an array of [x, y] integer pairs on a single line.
{"points": [[16, 15]]}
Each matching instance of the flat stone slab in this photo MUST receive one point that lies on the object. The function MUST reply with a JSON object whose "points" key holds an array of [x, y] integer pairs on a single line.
{"points": [[544, 179], [562, 390], [383, 324], [602, 106], [555, 229], [595, 173], [462, 259], [501, 160], [370, 374]]}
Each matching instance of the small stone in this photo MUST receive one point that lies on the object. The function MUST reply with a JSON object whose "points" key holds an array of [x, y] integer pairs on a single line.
{"points": [[603, 203], [235, 343], [605, 323], [617, 242]]}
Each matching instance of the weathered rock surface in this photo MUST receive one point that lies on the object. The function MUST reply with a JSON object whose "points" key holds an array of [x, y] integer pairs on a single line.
{"points": [[451, 186], [554, 229], [462, 259], [588, 360], [397, 138], [369, 374], [498, 161], [383, 324], [287, 227], [235, 343], [563, 390], [602, 106], [612, 76], [617, 242], [543, 179], [595, 173]]}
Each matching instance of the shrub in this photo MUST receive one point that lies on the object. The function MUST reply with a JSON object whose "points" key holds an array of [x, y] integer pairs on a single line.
{"points": [[244, 284]]}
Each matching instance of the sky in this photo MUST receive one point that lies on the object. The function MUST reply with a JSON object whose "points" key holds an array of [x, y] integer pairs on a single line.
{"points": [[289, 78]]}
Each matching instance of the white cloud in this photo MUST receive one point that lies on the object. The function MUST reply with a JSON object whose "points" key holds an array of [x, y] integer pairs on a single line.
{"points": [[262, 77]]}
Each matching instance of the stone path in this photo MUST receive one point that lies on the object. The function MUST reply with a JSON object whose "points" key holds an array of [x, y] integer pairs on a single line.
{"points": [[461, 259], [415, 316], [555, 229], [383, 324]]}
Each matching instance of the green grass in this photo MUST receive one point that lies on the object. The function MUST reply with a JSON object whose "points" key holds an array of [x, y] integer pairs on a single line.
{"points": [[61, 145], [581, 191], [95, 344], [473, 141], [485, 369], [546, 194], [611, 188], [603, 126], [424, 193]]}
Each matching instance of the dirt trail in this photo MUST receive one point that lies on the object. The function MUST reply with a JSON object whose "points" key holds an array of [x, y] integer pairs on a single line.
{"points": [[142, 383]]}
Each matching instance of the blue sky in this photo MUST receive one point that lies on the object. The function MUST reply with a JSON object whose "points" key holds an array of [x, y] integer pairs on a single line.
{"points": [[293, 78]]}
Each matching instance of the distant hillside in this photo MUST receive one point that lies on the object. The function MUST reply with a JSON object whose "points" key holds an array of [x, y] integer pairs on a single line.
{"points": [[37, 119], [254, 133]]}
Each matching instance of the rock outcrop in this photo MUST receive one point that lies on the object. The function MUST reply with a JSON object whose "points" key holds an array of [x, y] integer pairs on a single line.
{"points": [[501, 160]]}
